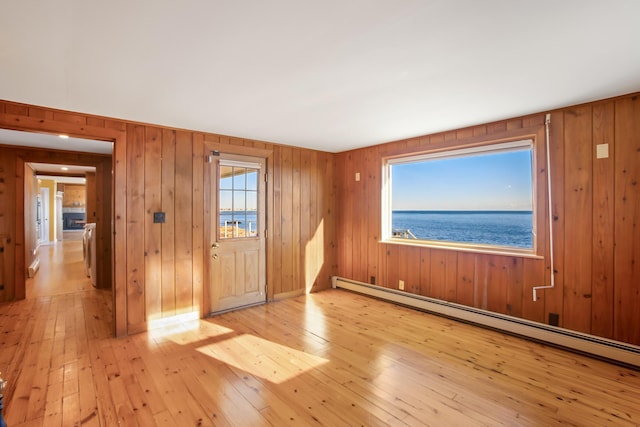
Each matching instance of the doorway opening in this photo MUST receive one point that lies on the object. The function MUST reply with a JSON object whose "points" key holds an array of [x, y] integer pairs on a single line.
{"points": [[60, 187], [64, 250]]}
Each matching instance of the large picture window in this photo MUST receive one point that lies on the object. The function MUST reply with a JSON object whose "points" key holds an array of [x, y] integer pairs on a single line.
{"points": [[480, 197]]}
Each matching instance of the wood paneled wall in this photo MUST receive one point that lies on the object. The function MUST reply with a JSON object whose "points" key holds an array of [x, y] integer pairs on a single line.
{"points": [[90, 194], [75, 195], [596, 211], [161, 269], [322, 222], [167, 264], [8, 213]]}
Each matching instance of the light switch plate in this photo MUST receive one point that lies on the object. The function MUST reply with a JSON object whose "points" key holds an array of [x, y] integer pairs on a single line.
{"points": [[158, 217], [602, 151]]}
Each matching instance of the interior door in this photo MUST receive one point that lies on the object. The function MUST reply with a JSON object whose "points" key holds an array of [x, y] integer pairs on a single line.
{"points": [[44, 215], [238, 264]]}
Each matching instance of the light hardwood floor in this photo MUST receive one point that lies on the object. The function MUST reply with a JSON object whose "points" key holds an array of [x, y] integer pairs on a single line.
{"points": [[333, 359], [61, 269]]}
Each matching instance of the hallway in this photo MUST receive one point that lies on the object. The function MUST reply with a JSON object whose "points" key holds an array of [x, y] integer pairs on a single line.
{"points": [[61, 269]]}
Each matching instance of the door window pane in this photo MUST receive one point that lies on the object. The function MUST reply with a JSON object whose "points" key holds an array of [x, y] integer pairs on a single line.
{"points": [[252, 180], [226, 177], [238, 202], [239, 178]]}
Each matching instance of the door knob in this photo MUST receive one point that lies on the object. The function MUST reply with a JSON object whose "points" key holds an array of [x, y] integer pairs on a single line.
{"points": [[215, 256], [215, 245]]}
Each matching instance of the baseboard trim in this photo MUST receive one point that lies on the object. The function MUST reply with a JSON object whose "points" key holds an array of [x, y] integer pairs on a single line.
{"points": [[33, 268], [615, 351]]}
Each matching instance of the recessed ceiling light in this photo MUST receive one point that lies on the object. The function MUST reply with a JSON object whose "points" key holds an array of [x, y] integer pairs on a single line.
{"points": [[64, 168], [64, 136]]}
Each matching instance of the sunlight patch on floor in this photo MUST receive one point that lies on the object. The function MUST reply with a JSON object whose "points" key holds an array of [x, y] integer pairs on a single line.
{"points": [[262, 358], [184, 329]]}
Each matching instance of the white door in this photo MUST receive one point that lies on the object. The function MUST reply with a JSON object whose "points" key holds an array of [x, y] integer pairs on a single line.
{"points": [[58, 214], [238, 266], [44, 215]]}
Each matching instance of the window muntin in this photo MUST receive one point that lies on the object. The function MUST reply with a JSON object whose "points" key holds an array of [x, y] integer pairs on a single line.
{"points": [[479, 197], [238, 200]]}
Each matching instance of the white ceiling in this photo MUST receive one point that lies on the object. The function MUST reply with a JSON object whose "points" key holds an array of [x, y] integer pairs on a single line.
{"points": [[48, 170], [331, 75], [56, 172], [54, 142]]}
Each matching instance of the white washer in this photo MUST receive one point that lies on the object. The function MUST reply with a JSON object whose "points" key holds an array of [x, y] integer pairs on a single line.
{"points": [[90, 255]]}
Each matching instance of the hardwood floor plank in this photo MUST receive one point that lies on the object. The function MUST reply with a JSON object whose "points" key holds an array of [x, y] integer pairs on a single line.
{"points": [[168, 383], [71, 410]]}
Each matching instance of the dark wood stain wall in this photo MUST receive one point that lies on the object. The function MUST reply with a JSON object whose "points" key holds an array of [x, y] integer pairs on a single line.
{"points": [[162, 269], [596, 210]]}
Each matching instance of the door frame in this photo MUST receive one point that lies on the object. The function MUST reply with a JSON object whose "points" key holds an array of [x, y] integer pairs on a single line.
{"points": [[118, 210], [211, 146]]}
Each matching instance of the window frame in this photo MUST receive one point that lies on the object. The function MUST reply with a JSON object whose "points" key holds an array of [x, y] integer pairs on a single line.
{"points": [[229, 161], [460, 150]]}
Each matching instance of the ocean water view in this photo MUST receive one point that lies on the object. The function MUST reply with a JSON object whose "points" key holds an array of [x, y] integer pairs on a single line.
{"points": [[245, 220], [244, 217], [501, 228]]}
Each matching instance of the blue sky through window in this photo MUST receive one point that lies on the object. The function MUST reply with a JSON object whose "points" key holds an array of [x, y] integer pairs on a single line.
{"points": [[245, 183], [490, 181]]}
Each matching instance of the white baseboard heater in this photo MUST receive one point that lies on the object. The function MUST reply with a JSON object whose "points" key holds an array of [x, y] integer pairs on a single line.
{"points": [[611, 350]]}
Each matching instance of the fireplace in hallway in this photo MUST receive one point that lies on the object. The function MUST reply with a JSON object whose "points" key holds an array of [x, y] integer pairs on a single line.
{"points": [[73, 220]]}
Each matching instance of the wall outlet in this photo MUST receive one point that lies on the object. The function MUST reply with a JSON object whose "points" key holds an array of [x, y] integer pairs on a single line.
{"points": [[401, 285]]}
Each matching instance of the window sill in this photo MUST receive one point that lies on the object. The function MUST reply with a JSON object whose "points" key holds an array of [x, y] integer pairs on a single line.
{"points": [[462, 247]]}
